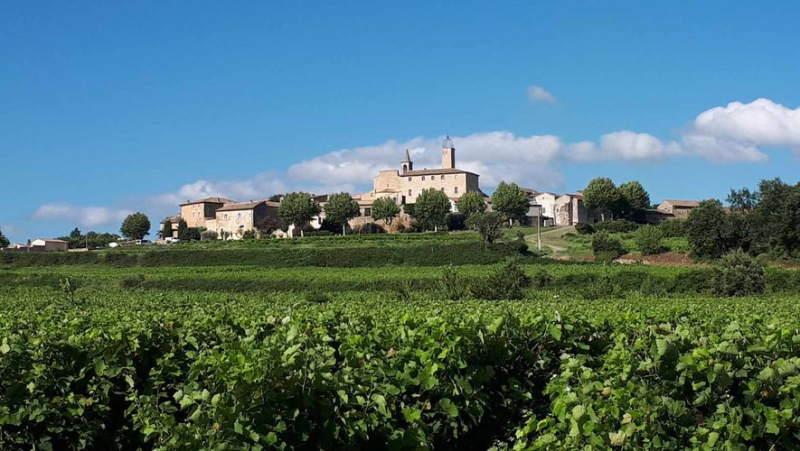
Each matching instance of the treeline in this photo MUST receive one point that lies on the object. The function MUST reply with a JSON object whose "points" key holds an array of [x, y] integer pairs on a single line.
{"points": [[91, 240], [766, 221]]}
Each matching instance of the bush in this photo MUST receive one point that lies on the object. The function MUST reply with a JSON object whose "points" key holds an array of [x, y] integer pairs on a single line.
{"points": [[584, 228], [132, 281], [249, 235], [542, 278], [507, 282], [208, 235], [673, 228], [648, 240], [606, 248], [738, 274], [451, 284], [456, 221], [619, 226], [316, 297]]}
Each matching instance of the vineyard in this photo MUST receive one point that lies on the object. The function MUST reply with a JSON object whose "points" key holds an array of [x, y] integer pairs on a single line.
{"points": [[95, 356]]}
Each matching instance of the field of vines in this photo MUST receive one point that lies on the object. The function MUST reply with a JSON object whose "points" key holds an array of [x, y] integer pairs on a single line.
{"points": [[248, 357]]}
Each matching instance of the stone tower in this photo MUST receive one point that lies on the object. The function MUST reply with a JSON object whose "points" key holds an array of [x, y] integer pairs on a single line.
{"points": [[448, 154], [408, 165]]}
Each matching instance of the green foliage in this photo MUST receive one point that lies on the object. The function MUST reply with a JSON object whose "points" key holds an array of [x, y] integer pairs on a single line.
{"points": [[508, 281], [606, 248], [510, 200], [708, 230], [743, 199], [602, 196], [542, 278], [456, 221], [385, 209], [649, 240], [738, 274], [431, 209], [489, 225], [249, 234], [182, 228], [776, 217], [617, 226], [452, 286], [471, 202], [4, 242], [584, 228], [673, 228], [298, 209], [136, 226], [340, 208], [634, 197], [208, 235], [132, 281]]}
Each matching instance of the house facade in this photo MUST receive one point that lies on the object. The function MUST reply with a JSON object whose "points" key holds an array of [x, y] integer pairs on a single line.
{"points": [[678, 208], [232, 220], [197, 212]]}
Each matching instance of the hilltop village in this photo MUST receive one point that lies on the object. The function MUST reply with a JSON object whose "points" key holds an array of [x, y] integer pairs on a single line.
{"points": [[230, 219]]}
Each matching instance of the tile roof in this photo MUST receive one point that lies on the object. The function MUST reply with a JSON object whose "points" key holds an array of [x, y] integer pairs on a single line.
{"points": [[235, 206], [209, 200], [683, 203], [435, 172]]}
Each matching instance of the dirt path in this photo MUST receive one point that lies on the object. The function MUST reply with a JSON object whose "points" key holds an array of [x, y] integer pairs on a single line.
{"points": [[553, 234]]}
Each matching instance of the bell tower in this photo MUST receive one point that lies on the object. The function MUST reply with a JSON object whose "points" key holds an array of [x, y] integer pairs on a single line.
{"points": [[408, 165], [448, 154]]}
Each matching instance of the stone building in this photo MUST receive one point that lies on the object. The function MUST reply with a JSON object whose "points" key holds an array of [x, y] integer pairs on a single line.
{"points": [[197, 212], [233, 219], [678, 208], [405, 185]]}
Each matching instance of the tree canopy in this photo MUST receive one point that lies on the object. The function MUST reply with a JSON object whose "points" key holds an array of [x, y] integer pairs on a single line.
{"points": [[602, 196], [136, 226], [471, 202], [634, 197], [489, 225], [510, 200], [431, 209], [340, 208], [707, 230], [385, 209], [297, 209], [4, 242]]}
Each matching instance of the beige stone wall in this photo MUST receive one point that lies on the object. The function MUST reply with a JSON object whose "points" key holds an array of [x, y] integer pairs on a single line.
{"points": [[387, 180], [172, 226], [235, 222], [681, 213], [454, 185], [195, 214]]}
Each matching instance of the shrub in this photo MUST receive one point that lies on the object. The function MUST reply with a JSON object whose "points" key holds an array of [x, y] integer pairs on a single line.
{"points": [[451, 284], [208, 235], [738, 274], [134, 281], [488, 225], [506, 282], [249, 235], [606, 248], [542, 278], [648, 240], [619, 226], [456, 221], [584, 228], [673, 228]]}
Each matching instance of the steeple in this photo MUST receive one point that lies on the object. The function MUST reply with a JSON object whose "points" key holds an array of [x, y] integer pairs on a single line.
{"points": [[448, 154], [408, 165]]}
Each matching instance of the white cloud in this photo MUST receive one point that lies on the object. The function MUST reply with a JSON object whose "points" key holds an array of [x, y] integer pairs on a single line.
{"points": [[539, 94], [624, 145], [761, 123], [83, 216]]}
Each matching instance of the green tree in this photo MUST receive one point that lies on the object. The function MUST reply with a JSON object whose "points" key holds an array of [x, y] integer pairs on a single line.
{"points": [[606, 248], [4, 242], [510, 200], [743, 199], [776, 217], [602, 196], [489, 225], [634, 197], [298, 209], [707, 230], [471, 202], [182, 229], [275, 197], [738, 274], [385, 209], [136, 226], [341, 208], [648, 240], [431, 209]]}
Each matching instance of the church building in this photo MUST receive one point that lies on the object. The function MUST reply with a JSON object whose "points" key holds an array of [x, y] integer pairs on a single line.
{"points": [[405, 185]]}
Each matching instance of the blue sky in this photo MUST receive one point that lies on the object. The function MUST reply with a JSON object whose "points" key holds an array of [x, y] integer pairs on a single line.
{"points": [[107, 108]]}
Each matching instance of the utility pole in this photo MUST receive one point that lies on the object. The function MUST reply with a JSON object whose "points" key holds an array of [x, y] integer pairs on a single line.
{"points": [[539, 227]]}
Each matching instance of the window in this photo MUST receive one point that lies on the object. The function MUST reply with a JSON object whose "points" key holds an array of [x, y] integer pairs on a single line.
{"points": [[225, 216], [423, 178], [409, 179], [367, 211], [409, 192], [441, 177], [239, 215], [456, 190]]}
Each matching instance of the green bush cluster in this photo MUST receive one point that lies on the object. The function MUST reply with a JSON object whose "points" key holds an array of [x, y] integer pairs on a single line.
{"points": [[649, 240], [606, 248], [584, 228], [149, 371], [617, 226]]}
